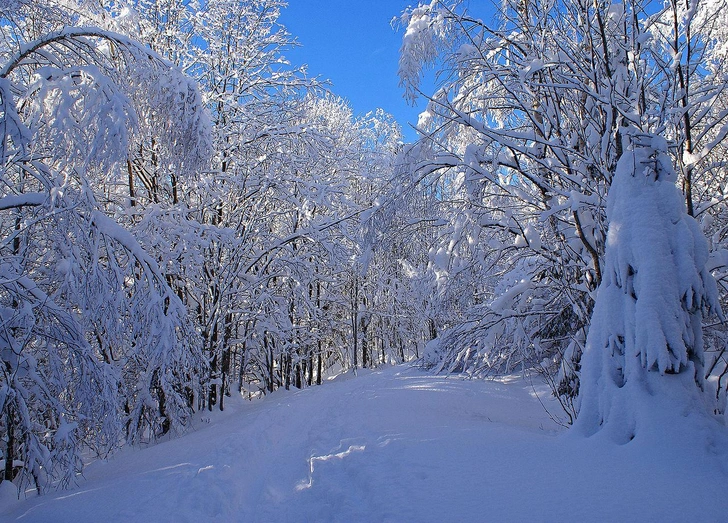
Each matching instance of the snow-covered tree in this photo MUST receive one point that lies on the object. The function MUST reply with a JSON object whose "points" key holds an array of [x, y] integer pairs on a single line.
{"points": [[518, 149], [521, 142], [643, 362], [96, 344]]}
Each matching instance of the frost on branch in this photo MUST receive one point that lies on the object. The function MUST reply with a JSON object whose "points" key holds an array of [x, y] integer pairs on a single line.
{"points": [[422, 43], [52, 386], [644, 351], [13, 133]]}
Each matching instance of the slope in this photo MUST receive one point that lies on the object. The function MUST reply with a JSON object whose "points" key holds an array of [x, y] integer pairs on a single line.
{"points": [[392, 445]]}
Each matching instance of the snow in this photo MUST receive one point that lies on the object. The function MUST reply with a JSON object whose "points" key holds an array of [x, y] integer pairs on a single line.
{"points": [[646, 325], [394, 445], [18, 200]]}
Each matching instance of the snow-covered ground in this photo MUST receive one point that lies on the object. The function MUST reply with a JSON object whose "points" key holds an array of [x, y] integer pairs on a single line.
{"points": [[394, 445]]}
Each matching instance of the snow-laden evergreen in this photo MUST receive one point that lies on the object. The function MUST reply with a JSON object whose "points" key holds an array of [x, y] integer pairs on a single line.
{"points": [[644, 353]]}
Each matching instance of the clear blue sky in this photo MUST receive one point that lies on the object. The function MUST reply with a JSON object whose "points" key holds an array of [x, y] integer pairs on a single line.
{"points": [[352, 44]]}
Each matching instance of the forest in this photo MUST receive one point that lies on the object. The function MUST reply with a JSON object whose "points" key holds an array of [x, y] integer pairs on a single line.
{"points": [[184, 216]]}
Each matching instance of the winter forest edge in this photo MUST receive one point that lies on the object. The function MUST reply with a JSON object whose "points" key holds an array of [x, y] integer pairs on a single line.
{"points": [[185, 216]]}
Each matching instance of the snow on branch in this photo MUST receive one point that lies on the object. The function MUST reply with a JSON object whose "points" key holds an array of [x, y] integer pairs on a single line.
{"points": [[111, 229], [11, 126], [14, 201], [426, 32], [74, 33]]}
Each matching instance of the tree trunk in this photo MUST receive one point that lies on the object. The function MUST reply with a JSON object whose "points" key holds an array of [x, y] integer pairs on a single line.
{"points": [[162, 402], [224, 376], [289, 371], [268, 347], [10, 447], [212, 392], [320, 366], [365, 358], [130, 174]]}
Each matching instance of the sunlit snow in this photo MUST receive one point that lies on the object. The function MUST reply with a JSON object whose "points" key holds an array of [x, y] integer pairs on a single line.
{"points": [[393, 445]]}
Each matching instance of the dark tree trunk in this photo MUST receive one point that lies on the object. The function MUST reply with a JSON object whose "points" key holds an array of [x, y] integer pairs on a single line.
{"points": [[268, 347], [287, 371], [224, 376], [130, 174], [10, 447], [320, 366], [212, 392], [309, 376], [364, 346], [162, 402], [298, 378], [241, 372]]}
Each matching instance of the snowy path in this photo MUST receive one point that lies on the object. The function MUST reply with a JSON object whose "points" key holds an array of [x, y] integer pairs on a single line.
{"points": [[392, 445]]}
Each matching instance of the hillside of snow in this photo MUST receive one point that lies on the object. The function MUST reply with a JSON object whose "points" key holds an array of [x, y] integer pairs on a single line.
{"points": [[394, 445]]}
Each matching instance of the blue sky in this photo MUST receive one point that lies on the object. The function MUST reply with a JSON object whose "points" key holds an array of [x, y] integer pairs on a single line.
{"points": [[352, 44]]}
